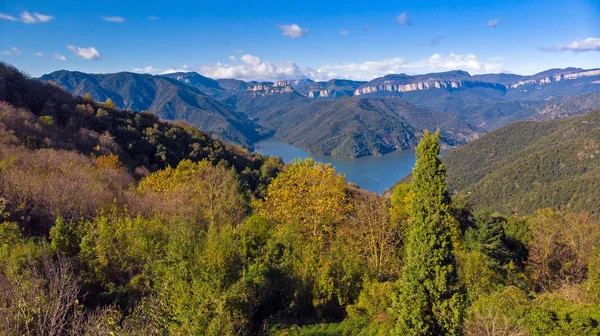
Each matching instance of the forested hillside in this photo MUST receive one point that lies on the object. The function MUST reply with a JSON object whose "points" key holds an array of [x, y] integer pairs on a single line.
{"points": [[167, 98], [533, 164], [116, 223], [354, 127], [346, 118]]}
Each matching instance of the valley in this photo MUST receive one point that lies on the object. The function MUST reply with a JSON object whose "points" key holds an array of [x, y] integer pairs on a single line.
{"points": [[300, 168], [372, 173], [346, 118]]}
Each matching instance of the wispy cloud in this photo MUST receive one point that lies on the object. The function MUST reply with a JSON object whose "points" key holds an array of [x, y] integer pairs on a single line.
{"points": [[232, 58], [89, 53], [493, 23], [42, 17], [588, 44], [344, 32], [293, 31], [60, 57], [7, 17], [35, 18], [153, 18], [28, 18], [38, 54], [14, 51], [403, 19], [115, 19]]}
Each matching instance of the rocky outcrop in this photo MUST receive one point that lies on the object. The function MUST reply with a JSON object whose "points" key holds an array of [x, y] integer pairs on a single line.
{"points": [[271, 88], [425, 85], [556, 78], [329, 94]]}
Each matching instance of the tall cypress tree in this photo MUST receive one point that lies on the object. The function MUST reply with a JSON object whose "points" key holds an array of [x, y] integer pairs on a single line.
{"points": [[429, 301]]}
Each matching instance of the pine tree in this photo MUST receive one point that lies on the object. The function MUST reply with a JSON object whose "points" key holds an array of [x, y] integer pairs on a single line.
{"points": [[429, 301]]}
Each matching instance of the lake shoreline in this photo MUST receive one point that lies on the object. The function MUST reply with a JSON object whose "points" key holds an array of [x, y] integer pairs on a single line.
{"points": [[373, 173]]}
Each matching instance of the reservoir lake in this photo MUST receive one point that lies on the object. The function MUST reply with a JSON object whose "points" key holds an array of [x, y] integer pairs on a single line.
{"points": [[374, 173]]}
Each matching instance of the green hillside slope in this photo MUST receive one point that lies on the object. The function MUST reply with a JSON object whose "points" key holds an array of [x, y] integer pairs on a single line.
{"points": [[353, 127], [167, 98], [533, 164]]}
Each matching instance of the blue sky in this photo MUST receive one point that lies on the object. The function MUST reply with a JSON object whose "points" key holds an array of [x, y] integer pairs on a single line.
{"points": [[269, 40]]}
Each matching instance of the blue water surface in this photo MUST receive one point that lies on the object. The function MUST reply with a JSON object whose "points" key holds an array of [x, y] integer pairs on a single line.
{"points": [[375, 173]]}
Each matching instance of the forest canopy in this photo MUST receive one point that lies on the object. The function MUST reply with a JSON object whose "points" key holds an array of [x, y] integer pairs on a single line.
{"points": [[115, 222]]}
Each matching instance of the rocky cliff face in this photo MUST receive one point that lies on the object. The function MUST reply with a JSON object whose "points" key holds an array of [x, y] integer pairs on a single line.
{"points": [[329, 93], [263, 89], [556, 78], [405, 83], [425, 85]]}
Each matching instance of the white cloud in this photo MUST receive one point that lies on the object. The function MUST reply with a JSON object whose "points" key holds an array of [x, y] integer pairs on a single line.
{"points": [[38, 54], [7, 17], [146, 69], [14, 51], [403, 19], [86, 53], [232, 58], [364, 70], [493, 23], [115, 19], [293, 31], [468, 62], [60, 57], [28, 18], [588, 44], [436, 62], [251, 67], [344, 32], [42, 17], [153, 18]]}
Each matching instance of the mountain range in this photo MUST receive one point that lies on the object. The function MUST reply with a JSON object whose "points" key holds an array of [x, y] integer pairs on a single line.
{"points": [[169, 99], [343, 117]]}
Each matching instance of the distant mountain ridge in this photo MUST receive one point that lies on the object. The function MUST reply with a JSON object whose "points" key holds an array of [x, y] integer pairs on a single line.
{"points": [[486, 100], [245, 111], [353, 127], [391, 83], [168, 98]]}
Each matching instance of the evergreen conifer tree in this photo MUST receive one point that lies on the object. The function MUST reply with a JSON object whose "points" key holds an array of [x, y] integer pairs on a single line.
{"points": [[429, 301]]}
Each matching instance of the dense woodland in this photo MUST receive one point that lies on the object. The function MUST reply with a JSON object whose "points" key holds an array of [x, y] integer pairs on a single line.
{"points": [[117, 223], [530, 165]]}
